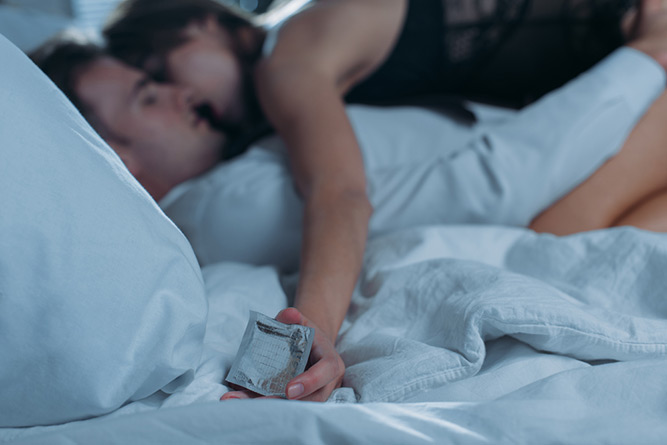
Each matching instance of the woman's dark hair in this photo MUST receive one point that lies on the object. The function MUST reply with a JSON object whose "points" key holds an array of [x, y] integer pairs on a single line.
{"points": [[138, 29]]}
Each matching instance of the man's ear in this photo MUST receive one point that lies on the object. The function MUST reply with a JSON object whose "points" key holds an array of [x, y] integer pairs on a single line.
{"points": [[127, 155]]}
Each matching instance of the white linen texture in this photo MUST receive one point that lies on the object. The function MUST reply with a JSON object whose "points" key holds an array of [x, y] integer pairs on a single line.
{"points": [[426, 304]]}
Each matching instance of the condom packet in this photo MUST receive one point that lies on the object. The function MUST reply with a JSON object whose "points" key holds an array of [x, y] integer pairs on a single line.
{"points": [[271, 354]]}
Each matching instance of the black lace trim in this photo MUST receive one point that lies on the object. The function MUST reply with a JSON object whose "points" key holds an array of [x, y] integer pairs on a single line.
{"points": [[475, 29]]}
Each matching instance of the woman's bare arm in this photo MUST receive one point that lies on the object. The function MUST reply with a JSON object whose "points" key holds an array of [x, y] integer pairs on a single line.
{"points": [[319, 55]]}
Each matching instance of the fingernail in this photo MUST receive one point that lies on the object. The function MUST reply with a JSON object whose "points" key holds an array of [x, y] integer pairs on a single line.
{"points": [[294, 391]]}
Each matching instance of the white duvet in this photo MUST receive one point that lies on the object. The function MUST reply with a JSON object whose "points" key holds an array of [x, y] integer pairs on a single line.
{"points": [[430, 299], [493, 335]]}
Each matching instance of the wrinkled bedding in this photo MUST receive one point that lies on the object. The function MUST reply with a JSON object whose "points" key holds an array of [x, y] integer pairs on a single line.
{"points": [[425, 309], [463, 334]]}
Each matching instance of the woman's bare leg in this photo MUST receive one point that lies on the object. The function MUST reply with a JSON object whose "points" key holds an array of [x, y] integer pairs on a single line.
{"points": [[650, 214], [638, 172]]}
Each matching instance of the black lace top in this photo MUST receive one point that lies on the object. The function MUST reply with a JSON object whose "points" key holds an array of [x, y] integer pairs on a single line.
{"points": [[505, 51]]}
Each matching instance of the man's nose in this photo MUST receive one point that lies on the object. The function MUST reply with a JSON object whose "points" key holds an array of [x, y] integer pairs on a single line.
{"points": [[184, 96]]}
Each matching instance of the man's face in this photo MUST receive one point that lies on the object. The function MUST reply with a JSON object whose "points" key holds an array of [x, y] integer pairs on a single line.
{"points": [[154, 126]]}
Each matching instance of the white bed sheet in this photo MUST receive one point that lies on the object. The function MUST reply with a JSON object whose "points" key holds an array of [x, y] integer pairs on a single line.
{"points": [[573, 407], [456, 334]]}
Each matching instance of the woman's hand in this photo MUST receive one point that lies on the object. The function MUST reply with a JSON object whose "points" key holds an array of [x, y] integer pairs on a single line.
{"points": [[325, 371]]}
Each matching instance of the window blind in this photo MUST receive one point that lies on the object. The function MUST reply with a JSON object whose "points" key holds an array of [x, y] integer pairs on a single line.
{"points": [[91, 14]]}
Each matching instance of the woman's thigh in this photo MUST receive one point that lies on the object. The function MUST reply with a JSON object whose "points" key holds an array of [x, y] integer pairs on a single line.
{"points": [[650, 214], [633, 176]]}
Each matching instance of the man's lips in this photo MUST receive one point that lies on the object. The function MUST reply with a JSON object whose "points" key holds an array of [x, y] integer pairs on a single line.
{"points": [[207, 112]]}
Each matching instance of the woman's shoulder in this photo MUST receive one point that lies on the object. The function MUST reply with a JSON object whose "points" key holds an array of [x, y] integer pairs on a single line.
{"points": [[341, 34]]}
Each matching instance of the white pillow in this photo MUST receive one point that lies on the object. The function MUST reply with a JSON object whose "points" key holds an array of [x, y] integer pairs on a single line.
{"points": [[101, 298]]}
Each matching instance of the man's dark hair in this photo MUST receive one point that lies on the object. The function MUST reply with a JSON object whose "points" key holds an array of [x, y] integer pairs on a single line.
{"points": [[138, 29], [64, 58]]}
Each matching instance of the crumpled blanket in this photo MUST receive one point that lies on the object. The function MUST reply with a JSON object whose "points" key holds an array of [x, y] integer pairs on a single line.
{"points": [[430, 298], [451, 319]]}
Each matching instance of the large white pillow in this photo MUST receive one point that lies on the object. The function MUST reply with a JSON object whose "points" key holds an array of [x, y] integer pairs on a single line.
{"points": [[101, 298]]}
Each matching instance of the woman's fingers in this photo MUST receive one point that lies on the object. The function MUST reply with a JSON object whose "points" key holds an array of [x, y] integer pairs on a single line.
{"points": [[327, 368], [244, 394], [292, 316], [326, 373], [234, 395], [321, 395]]}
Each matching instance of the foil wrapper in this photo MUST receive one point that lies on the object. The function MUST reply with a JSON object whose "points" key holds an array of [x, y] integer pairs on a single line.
{"points": [[271, 354]]}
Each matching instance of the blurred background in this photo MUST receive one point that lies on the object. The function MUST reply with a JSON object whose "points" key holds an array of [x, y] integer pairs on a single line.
{"points": [[28, 23]]}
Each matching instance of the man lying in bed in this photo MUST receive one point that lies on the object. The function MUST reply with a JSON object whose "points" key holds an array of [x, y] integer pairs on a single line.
{"points": [[422, 167]]}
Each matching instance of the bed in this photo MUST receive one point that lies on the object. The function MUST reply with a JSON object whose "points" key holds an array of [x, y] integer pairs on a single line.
{"points": [[457, 334]]}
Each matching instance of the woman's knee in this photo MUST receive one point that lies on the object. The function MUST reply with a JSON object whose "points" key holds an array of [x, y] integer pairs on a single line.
{"points": [[650, 214]]}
